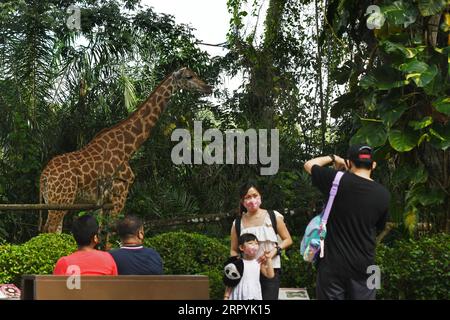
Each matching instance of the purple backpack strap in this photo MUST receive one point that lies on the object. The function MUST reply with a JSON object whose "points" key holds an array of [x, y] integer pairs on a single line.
{"points": [[333, 191]]}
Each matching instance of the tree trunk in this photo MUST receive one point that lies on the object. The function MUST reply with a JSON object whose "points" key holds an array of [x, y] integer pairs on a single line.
{"points": [[433, 29], [323, 117]]}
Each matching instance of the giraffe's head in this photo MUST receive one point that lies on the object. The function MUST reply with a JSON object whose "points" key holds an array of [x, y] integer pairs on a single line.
{"points": [[187, 79]]}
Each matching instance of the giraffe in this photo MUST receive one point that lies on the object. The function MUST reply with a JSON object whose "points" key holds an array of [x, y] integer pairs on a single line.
{"points": [[84, 175]]}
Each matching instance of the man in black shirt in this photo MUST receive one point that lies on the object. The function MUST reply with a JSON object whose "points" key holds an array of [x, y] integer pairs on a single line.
{"points": [[133, 258], [359, 212]]}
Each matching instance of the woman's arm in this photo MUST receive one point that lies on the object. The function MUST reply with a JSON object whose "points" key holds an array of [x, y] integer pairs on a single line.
{"points": [[284, 234], [285, 237], [234, 248]]}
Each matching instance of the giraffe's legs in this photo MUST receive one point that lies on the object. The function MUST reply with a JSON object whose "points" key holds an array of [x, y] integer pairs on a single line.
{"points": [[54, 222], [55, 218], [121, 186]]}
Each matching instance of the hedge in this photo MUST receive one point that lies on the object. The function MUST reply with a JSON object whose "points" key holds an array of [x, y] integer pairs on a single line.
{"points": [[192, 253], [410, 269], [415, 269], [37, 256]]}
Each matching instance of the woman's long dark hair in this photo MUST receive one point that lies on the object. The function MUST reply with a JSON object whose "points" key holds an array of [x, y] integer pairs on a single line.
{"points": [[243, 191]]}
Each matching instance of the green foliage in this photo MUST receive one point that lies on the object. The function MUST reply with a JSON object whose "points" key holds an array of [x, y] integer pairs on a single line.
{"points": [[415, 269], [37, 256], [403, 94], [372, 133], [400, 13], [403, 141], [190, 253], [442, 105], [431, 7]]}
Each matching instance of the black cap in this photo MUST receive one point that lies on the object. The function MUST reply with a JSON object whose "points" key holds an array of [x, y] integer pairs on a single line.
{"points": [[360, 153], [233, 271]]}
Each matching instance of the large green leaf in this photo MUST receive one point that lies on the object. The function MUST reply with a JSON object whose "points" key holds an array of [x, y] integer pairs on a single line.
{"points": [[383, 78], [414, 66], [441, 136], [392, 47], [403, 141], [431, 7], [383, 153], [425, 122], [400, 12], [436, 87], [370, 80], [422, 78], [392, 115], [442, 105], [371, 133], [421, 194], [370, 101], [409, 173], [343, 103]]}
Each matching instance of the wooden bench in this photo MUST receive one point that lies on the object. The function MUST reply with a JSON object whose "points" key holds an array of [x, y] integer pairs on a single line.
{"points": [[166, 287]]}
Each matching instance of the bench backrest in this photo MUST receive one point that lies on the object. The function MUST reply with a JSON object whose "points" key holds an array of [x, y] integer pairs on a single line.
{"points": [[166, 287]]}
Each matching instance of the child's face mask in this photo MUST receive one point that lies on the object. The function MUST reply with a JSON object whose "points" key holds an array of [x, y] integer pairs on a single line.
{"points": [[251, 249]]}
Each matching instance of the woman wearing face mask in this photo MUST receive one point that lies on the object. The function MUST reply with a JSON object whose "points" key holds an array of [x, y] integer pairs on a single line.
{"points": [[255, 220]]}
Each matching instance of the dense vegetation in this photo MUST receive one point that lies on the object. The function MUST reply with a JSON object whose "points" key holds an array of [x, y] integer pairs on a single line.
{"points": [[316, 70]]}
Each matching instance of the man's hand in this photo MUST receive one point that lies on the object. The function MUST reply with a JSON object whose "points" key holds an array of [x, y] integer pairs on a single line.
{"points": [[339, 163], [320, 161]]}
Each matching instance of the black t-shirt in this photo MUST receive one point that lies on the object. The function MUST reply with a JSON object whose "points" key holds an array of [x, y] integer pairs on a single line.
{"points": [[359, 211], [137, 261]]}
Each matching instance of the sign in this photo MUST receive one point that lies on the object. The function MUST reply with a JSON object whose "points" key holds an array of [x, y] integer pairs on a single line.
{"points": [[293, 294]]}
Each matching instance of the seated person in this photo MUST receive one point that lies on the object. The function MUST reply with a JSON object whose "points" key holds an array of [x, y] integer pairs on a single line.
{"points": [[133, 258], [87, 260]]}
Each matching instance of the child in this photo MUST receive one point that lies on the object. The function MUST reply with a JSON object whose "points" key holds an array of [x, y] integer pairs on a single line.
{"points": [[249, 287]]}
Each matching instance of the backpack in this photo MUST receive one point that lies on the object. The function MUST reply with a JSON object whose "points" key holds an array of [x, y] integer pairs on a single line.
{"points": [[233, 271], [273, 219], [313, 241]]}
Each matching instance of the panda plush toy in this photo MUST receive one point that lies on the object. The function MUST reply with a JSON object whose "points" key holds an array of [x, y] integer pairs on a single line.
{"points": [[233, 271]]}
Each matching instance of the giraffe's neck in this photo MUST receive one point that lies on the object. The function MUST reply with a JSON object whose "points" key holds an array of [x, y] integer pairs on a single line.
{"points": [[137, 127]]}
